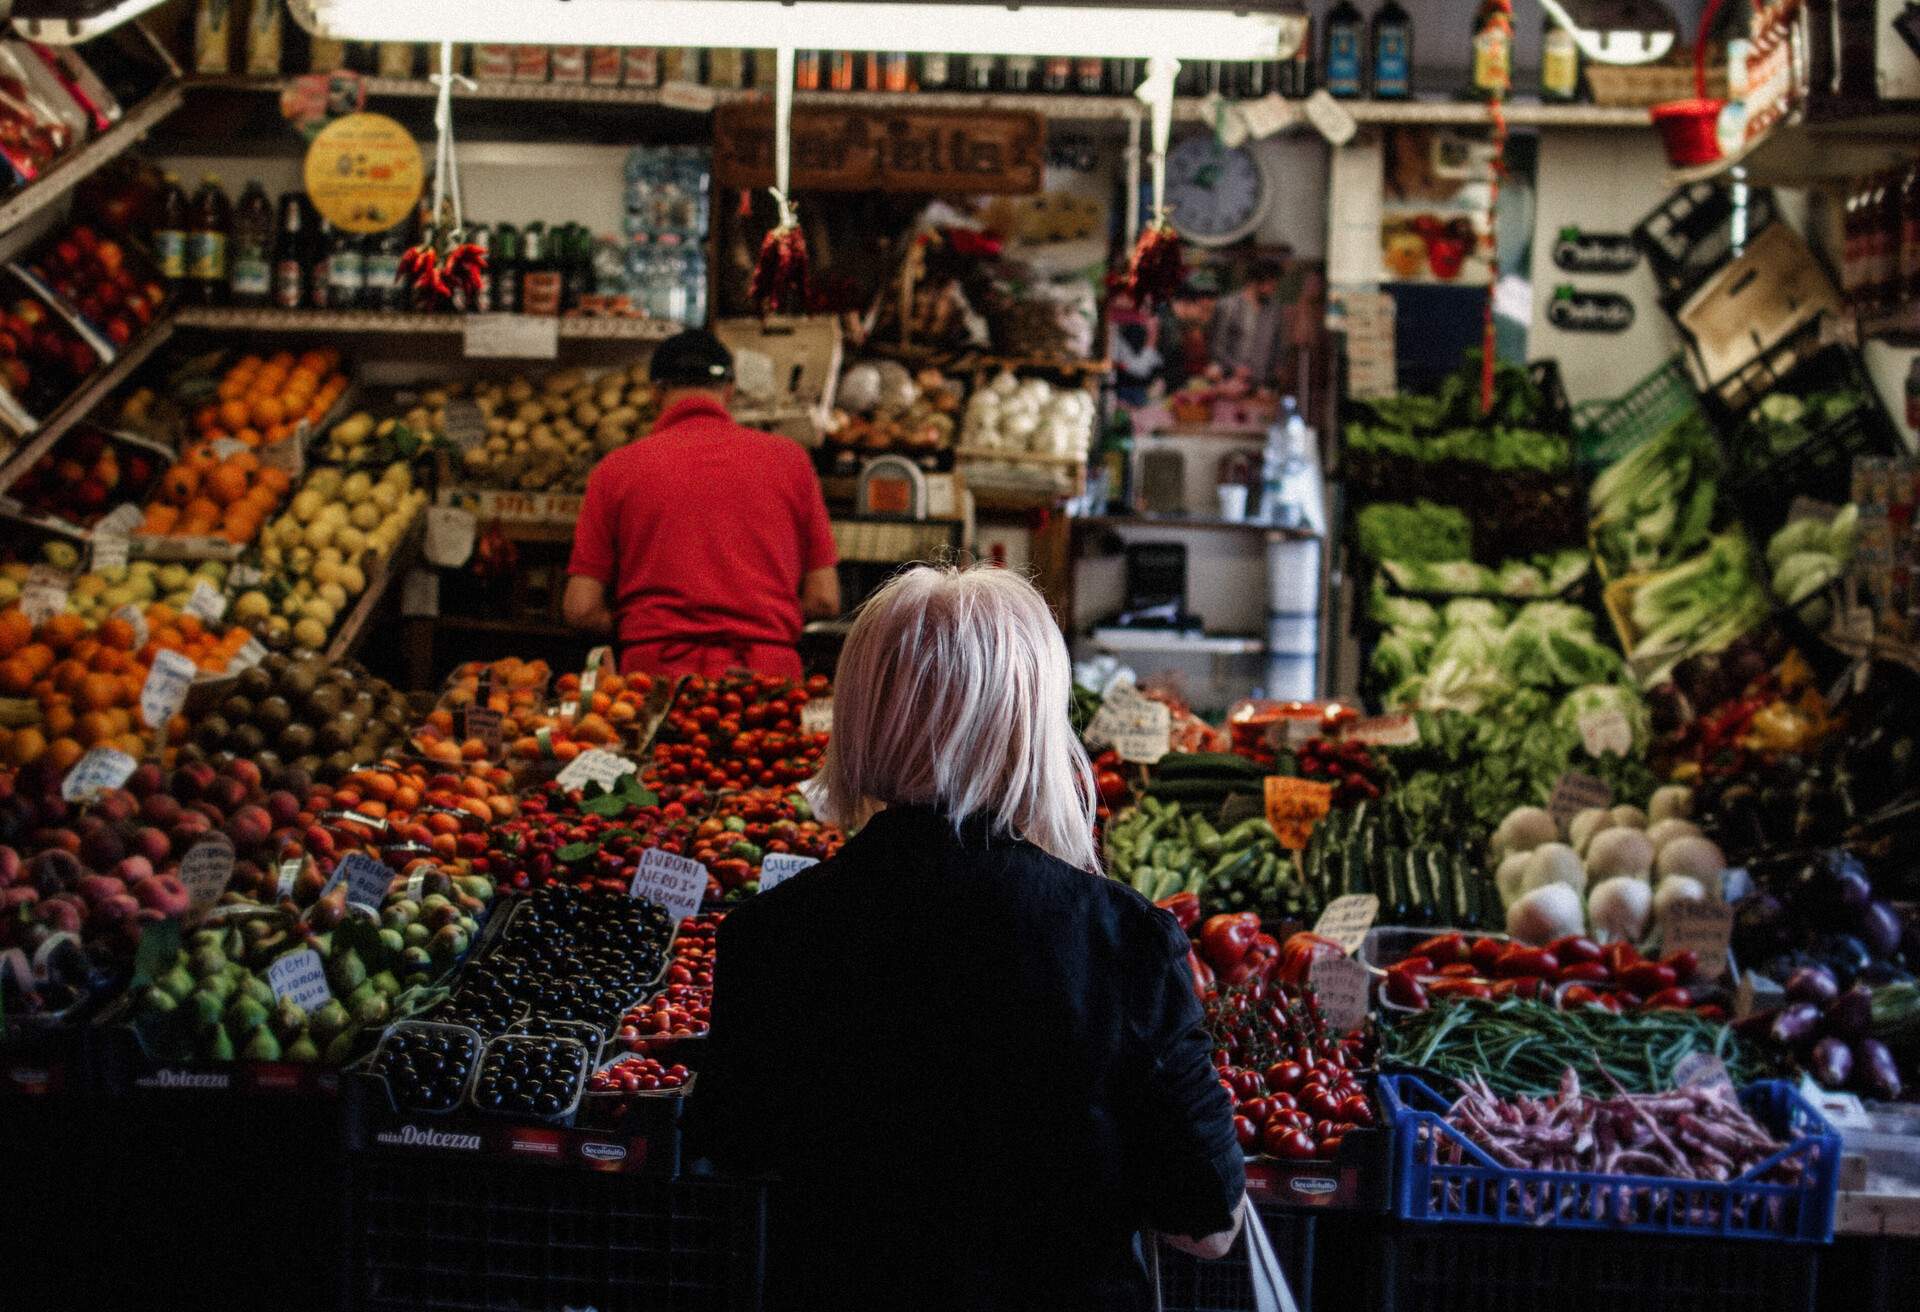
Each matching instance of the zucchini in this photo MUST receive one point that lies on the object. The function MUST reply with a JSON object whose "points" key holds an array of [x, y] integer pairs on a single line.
{"points": [[1446, 893], [1474, 885], [1204, 792], [1421, 891], [1391, 873]]}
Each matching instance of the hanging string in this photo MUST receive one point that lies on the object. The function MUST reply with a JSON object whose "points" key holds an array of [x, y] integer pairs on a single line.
{"points": [[779, 279], [446, 171], [1500, 23], [1153, 273], [445, 262]]}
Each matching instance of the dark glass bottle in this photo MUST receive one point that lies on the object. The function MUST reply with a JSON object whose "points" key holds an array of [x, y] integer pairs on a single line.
{"points": [[291, 252], [381, 289], [982, 72], [319, 279], [503, 271], [208, 226], [936, 72], [1345, 62], [250, 262], [1090, 76], [347, 271], [1392, 52], [540, 281], [170, 236]]}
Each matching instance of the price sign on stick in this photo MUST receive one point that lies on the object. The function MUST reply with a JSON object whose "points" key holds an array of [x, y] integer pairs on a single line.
{"points": [[779, 867], [1347, 919], [165, 690], [98, 771], [677, 883], [206, 869], [1340, 989], [594, 766], [1702, 928], [367, 880], [1295, 806], [816, 716], [300, 977]]}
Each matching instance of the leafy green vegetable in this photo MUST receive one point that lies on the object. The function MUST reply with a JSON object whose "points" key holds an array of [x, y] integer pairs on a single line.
{"points": [[1422, 531], [1655, 504]]}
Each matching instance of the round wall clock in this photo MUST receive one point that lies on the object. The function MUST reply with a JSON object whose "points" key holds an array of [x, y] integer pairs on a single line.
{"points": [[1215, 194]]}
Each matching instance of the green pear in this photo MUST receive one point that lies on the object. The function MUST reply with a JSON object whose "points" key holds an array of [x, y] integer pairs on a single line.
{"points": [[178, 983], [372, 1010], [258, 989], [245, 1015], [289, 1019], [207, 1010], [221, 986], [391, 942], [415, 935], [346, 972], [386, 982], [156, 1001], [262, 1046], [340, 1048], [207, 961], [303, 1050], [217, 1046]]}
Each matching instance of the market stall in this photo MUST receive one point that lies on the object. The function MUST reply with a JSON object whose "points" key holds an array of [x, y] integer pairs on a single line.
{"points": [[1528, 751]]}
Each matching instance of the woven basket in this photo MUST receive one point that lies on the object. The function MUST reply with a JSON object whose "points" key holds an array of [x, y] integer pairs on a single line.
{"points": [[1622, 86]]}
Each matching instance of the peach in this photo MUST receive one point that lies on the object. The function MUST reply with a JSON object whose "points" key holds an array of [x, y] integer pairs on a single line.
{"points": [[61, 914], [119, 909], [10, 865], [100, 847], [249, 826], [98, 888], [160, 809], [153, 844], [190, 781], [116, 806], [146, 780], [135, 868], [54, 871], [283, 806], [246, 773], [164, 892]]}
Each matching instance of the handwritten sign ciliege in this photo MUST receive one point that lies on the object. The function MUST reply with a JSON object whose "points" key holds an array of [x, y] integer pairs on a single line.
{"points": [[778, 867]]}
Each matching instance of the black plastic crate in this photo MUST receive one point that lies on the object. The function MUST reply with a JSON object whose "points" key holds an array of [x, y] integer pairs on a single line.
{"points": [[1692, 235], [1455, 1268], [454, 1235], [1188, 1284]]}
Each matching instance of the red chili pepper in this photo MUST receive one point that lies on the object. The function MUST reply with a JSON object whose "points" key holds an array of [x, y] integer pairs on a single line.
{"points": [[1619, 955], [1415, 966], [1485, 952], [1403, 990], [1459, 988], [1445, 949], [1517, 961], [1711, 1011], [1647, 978], [1575, 948], [1665, 999], [1459, 970], [1201, 974], [1578, 996], [1589, 972], [1527, 986], [1684, 965]]}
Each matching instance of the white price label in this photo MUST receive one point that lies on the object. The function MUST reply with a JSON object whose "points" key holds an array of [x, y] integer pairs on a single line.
{"points": [[1268, 116], [677, 883], [207, 603], [779, 867], [165, 690], [595, 766], [1702, 928], [511, 336], [98, 771], [120, 522], [109, 552], [225, 448], [45, 593], [691, 96], [245, 576], [1340, 990], [1143, 735], [301, 978], [251, 653], [137, 621], [289, 871], [1606, 732], [1574, 792], [367, 880], [463, 423], [450, 533], [1399, 730], [416, 885], [1347, 919], [816, 716], [1330, 118], [288, 454], [206, 869]]}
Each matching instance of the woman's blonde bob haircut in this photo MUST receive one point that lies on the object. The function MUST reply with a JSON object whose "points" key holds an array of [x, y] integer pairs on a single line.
{"points": [[953, 691]]}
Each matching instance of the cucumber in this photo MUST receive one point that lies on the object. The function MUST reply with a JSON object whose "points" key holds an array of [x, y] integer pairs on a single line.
{"points": [[1421, 893], [1391, 873], [1222, 765], [1446, 910], [1197, 792], [1474, 884]]}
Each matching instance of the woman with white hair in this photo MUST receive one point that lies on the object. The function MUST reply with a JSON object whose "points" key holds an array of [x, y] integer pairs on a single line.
{"points": [[976, 1066]]}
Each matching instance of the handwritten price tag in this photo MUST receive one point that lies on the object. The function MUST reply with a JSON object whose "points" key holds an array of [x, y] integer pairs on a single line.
{"points": [[1340, 988], [45, 593], [1703, 928], [483, 722], [136, 620], [367, 880], [511, 337], [816, 716], [594, 766], [165, 690], [206, 869], [301, 978], [779, 867], [207, 603], [1295, 806], [98, 771], [676, 883], [109, 552], [1385, 731], [1347, 919], [1574, 792], [289, 871]]}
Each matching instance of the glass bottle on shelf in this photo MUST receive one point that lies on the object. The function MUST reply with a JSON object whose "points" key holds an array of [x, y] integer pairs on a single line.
{"points": [[1056, 75], [982, 72], [936, 72], [1559, 66], [843, 70], [290, 252], [1296, 72], [346, 271], [170, 235], [207, 228], [503, 270], [1392, 52], [319, 279], [806, 70], [250, 267], [1020, 72], [1090, 76], [1491, 72], [382, 289], [1345, 64]]}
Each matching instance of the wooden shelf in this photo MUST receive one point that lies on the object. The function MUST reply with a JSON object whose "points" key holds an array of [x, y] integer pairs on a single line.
{"points": [[1274, 532], [76, 166], [396, 323], [385, 574], [1060, 108], [89, 394], [1820, 142]]}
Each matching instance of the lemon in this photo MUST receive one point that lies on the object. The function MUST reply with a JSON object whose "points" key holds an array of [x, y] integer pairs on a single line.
{"points": [[385, 496], [310, 633], [325, 571], [356, 487], [353, 580], [318, 534], [334, 595], [251, 606], [351, 541], [307, 503], [174, 577], [319, 611]]}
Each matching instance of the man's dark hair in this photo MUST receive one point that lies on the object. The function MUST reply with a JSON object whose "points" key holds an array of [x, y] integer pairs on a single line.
{"points": [[1264, 269], [695, 358]]}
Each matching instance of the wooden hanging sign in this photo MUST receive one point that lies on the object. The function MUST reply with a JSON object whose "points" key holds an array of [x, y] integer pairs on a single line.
{"points": [[908, 150]]}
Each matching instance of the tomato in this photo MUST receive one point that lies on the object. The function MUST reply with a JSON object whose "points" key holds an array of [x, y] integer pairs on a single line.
{"points": [[1247, 1133], [1355, 1110], [1294, 1145], [1249, 1084], [1285, 1076]]}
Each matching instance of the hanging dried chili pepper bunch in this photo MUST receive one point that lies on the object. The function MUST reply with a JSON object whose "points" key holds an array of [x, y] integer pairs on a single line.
{"points": [[780, 274], [443, 268], [1153, 274]]}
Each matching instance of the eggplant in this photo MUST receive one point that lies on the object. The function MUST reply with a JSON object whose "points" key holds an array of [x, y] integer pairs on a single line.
{"points": [[1814, 984], [1795, 1026], [1832, 1063], [1851, 1013], [1850, 883], [1884, 972], [1845, 955], [1880, 929], [1759, 925], [1874, 1064]]}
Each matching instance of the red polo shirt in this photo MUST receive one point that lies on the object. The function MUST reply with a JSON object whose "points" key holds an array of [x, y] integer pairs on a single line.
{"points": [[701, 531]]}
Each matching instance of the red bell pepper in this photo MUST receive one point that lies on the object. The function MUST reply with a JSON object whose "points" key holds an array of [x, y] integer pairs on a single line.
{"points": [[1574, 949], [1299, 953], [1225, 938], [1201, 974], [1485, 952], [1184, 907]]}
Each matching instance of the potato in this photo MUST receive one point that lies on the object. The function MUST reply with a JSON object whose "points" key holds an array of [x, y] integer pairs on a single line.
{"points": [[519, 390], [435, 397], [530, 412], [518, 429], [625, 416], [566, 380], [608, 399], [478, 457], [586, 414], [637, 375], [385, 426]]}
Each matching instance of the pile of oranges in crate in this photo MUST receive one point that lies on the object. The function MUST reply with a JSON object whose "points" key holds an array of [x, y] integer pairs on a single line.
{"points": [[540, 717], [209, 493], [261, 401], [84, 684]]}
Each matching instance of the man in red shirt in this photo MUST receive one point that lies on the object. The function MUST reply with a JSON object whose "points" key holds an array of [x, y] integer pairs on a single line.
{"points": [[703, 546]]}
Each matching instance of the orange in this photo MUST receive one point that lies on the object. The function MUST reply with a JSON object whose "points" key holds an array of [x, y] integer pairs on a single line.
{"points": [[233, 415], [178, 483], [63, 630], [38, 656], [16, 631], [160, 519], [64, 753], [27, 746], [202, 509], [275, 480], [58, 720], [116, 633], [99, 691], [227, 483], [94, 728], [206, 419]]}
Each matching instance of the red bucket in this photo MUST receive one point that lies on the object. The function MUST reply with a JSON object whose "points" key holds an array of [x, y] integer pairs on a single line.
{"points": [[1690, 130]]}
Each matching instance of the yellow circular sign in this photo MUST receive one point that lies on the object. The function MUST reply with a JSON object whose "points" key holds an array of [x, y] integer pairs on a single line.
{"points": [[364, 173]]}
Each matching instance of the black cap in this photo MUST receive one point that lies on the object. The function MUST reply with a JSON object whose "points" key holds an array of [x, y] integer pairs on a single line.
{"points": [[694, 358]]}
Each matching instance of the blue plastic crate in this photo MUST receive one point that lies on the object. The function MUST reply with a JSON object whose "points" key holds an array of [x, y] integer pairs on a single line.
{"points": [[1482, 1191]]}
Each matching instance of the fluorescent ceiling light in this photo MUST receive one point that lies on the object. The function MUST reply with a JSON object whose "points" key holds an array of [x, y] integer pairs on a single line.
{"points": [[1119, 30], [1616, 31], [59, 31]]}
